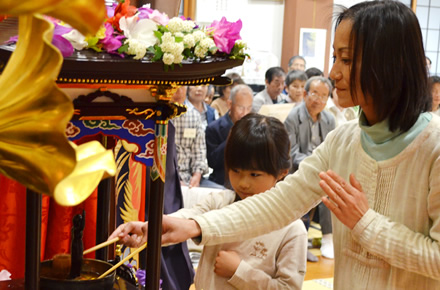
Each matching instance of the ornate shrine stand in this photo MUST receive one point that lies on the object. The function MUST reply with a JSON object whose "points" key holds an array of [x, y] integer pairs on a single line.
{"points": [[99, 75]]}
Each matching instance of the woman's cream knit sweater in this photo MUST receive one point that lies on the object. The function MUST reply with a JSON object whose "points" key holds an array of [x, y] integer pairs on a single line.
{"points": [[394, 246]]}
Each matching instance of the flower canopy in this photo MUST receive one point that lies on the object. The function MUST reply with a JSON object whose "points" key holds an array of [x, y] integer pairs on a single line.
{"points": [[144, 33]]}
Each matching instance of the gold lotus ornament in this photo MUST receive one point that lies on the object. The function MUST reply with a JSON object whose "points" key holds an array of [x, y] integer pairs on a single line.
{"points": [[34, 112]]}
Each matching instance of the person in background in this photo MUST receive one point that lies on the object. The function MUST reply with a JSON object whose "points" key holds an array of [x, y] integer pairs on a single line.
{"points": [[428, 64], [297, 62], [196, 100], [434, 86], [308, 125], [210, 94], [190, 144], [314, 72], [342, 115], [221, 103], [272, 94], [380, 175], [240, 104], [295, 82], [256, 158], [176, 271]]}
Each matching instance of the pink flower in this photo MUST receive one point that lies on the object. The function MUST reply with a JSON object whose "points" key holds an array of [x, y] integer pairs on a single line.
{"points": [[111, 43], [159, 17], [225, 34]]}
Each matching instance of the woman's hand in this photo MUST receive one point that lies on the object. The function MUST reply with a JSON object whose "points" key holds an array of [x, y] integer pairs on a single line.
{"points": [[347, 201], [177, 230], [226, 263], [131, 234]]}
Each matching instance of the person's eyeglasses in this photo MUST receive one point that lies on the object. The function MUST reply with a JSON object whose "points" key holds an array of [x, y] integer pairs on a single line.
{"points": [[315, 96]]}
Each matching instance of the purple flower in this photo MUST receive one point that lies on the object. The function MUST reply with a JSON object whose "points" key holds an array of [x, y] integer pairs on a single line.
{"points": [[225, 34], [141, 275], [111, 10], [63, 45], [60, 42], [144, 13], [110, 42]]}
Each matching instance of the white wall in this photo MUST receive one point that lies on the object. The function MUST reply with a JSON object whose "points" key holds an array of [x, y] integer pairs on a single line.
{"points": [[262, 30]]}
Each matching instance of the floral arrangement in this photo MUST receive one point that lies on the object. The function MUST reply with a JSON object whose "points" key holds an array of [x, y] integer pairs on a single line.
{"points": [[144, 33]]}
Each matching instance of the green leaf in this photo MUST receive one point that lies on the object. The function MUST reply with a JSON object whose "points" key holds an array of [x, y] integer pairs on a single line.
{"points": [[178, 38], [158, 35], [165, 67], [123, 48], [92, 41], [157, 54]]}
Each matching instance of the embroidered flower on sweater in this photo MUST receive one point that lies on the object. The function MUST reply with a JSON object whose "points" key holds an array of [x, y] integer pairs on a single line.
{"points": [[260, 250]]}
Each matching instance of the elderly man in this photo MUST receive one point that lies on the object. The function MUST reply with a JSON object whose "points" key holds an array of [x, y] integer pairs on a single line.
{"points": [[240, 104], [196, 101], [273, 93], [308, 125], [297, 62]]}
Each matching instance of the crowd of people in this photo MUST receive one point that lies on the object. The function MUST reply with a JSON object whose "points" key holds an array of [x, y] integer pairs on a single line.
{"points": [[358, 147]]}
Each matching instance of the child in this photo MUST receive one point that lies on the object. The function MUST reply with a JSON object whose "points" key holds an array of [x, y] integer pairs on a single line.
{"points": [[295, 82], [256, 157]]}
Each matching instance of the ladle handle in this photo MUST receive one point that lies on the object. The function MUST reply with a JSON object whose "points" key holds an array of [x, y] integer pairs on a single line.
{"points": [[123, 261], [102, 245]]}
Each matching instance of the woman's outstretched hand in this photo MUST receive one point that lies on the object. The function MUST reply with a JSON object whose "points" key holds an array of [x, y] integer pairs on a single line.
{"points": [[347, 201], [174, 230]]}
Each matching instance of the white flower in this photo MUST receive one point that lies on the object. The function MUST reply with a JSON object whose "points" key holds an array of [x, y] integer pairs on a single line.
{"points": [[168, 58], [200, 51], [188, 25], [189, 40], [139, 34], [167, 37], [77, 40], [136, 48], [178, 58], [175, 25], [198, 35], [207, 43], [178, 34]]}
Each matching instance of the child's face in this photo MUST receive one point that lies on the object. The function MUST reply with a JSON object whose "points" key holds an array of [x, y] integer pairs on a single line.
{"points": [[296, 90], [249, 182]]}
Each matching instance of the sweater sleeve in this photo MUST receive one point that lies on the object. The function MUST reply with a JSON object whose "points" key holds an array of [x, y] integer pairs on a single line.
{"points": [[289, 200], [290, 266]]}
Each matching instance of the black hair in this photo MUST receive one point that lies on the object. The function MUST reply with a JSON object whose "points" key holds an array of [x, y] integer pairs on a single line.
{"points": [[235, 80], [386, 37], [258, 142], [293, 58], [295, 75], [274, 72], [433, 80], [314, 72]]}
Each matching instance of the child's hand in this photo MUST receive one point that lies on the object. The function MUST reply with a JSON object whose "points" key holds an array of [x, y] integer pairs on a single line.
{"points": [[226, 263], [131, 234]]}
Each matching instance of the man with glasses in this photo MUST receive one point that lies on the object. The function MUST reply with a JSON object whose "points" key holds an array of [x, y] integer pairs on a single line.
{"points": [[308, 125]]}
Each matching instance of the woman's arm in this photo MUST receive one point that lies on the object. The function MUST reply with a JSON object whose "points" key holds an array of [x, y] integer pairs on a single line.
{"points": [[287, 201]]}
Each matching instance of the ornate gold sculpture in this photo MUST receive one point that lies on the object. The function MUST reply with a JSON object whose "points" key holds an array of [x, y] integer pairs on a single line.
{"points": [[34, 112]]}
